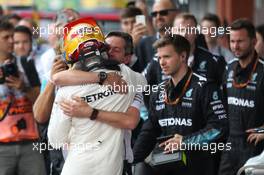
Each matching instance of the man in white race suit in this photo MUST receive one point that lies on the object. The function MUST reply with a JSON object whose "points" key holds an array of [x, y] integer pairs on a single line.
{"points": [[93, 147]]}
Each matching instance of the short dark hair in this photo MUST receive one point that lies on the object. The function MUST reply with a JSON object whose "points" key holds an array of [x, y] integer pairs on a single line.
{"points": [[179, 43], [244, 24], [6, 26], [186, 16], [25, 30], [260, 30], [212, 18], [129, 48], [130, 12]]}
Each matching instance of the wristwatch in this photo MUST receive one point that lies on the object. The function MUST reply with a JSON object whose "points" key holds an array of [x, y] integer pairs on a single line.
{"points": [[94, 114], [102, 77]]}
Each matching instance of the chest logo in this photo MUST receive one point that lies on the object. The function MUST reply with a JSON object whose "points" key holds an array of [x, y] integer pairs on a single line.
{"points": [[202, 65], [254, 76], [189, 93], [215, 95]]}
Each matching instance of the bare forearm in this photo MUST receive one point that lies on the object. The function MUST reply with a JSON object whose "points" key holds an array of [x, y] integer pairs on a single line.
{"points": [[125, 120], [74, 77], [43, 105]]}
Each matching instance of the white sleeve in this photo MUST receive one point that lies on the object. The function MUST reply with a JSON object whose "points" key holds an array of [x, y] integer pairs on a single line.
{"points": [[138, 101], [59, 125]]}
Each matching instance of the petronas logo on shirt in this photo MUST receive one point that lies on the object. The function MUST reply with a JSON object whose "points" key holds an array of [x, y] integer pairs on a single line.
{"points": [[189, 93], [202, 65], [215, 95]]}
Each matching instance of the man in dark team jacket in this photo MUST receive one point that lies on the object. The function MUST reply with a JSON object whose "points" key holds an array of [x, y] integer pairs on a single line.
{"points": [[244, 87], [186, 106]]}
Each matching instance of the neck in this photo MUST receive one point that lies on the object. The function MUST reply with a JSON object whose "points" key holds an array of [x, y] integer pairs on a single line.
{"points": [[4, 57], [211, 44], [178, 76], [244, 62]]}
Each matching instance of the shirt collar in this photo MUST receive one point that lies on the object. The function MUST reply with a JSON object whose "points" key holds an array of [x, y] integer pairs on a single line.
{"points": [[174, 92]]}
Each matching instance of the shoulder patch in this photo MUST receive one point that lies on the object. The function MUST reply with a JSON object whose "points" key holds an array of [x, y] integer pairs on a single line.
{"points": [[261, 61], [201, 78]]}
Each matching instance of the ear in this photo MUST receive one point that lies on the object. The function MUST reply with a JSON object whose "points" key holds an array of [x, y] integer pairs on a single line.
{"points": [[183, 56], [127, 59]]}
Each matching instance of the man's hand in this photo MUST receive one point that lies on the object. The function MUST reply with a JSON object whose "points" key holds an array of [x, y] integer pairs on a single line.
{"points": [[76, 108], [116, 83], [15, 82], [254, 137], [172, 144], [138, 31], [58, 65]]}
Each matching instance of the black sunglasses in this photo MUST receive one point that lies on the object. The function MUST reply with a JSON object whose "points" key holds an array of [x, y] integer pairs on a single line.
{"points": [[162, 12]]}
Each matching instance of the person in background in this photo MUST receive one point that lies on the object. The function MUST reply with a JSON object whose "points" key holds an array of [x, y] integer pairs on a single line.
{"points": [[32, 25], [244, 84], [260, 40], [200, 59], [23, 51], [163, 14], [142, 5], [22, 41], [19, 134], [129, 25], [184, 108], [212, 23], [38, 45], [12, 18]]}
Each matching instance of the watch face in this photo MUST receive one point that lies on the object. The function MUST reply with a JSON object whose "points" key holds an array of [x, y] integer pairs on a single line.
{"points": [[103, 75]]}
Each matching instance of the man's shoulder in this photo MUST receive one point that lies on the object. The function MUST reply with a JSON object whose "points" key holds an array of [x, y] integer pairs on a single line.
{"points": [[148, 39], [135, 76], [198, 80], [261, 61], [203, 84], [231, 63], [203, 53]]}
